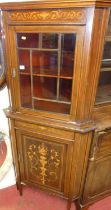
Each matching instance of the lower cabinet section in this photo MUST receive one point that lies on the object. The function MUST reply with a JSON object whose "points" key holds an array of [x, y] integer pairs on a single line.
{"points": [[73, 168], [44, 161], [98, 177], [50, 158]]}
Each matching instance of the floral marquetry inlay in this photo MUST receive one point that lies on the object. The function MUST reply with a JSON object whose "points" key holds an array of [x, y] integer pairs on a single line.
{"points": [[44, 162], [60, 15]]}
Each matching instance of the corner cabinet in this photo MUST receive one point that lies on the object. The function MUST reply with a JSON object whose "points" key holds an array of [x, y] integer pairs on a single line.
{"points": [[53, 53]]}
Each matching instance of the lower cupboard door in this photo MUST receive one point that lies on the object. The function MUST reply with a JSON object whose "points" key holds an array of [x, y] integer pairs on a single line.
{"points": [[98, 180], [44, 161], [98, 177]]}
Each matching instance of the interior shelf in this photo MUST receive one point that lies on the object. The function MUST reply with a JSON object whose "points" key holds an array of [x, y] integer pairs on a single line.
{"points": [[57, 101], [106, 69], [45, 75], [107, 38], [38, 49]]}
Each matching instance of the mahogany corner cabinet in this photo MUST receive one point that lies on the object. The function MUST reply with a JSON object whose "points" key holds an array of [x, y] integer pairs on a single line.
{"points": [[56, 62]]}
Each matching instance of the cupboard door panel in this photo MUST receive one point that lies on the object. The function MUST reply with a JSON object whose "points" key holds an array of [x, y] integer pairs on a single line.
{"points": [[98, 178], [104, 144], [43, 161]]}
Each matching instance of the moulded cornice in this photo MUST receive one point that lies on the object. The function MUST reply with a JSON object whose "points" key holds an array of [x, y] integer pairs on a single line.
{"points": [[37, 4]]}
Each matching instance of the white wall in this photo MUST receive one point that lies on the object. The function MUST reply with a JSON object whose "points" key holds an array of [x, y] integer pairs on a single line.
{"points": [[7, 171]]}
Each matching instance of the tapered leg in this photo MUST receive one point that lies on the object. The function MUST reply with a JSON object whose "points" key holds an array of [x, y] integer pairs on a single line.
{"points": [[19, 187], [80, 207], [69, 203]]}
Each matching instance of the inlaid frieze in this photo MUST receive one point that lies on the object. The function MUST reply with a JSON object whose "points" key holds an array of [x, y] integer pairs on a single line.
{"points": [[49, 16]]}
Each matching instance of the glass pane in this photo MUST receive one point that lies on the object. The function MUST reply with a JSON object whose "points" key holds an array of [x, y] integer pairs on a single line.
{"points": [[67, 54], [1, 70], [44, 87], [25, 91], [27, 40], [45, 62], [46, 65], [52, 106], [107, 50], [108, 32], [67, 63], [104, 89], [50, 41], [106, 62], [68, 42], [1, 59], [24, 60], [104, 85], [65, 90]]}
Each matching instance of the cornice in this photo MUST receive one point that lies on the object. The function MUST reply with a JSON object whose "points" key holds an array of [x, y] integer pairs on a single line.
{"points": [[103, 3], [37, 4]]}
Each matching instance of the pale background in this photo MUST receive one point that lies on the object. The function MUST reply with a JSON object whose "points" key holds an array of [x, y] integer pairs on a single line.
{"points": [[9, 177]]}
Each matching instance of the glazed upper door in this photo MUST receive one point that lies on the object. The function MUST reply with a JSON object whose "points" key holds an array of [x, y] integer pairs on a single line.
{"points": [[45, 62], [103, 95]]}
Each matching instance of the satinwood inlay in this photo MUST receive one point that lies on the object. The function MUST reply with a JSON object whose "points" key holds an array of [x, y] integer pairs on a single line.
{"points": [[59, 15]]}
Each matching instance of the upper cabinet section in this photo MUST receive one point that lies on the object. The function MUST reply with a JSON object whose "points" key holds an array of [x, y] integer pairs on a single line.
{"points": [[48, 54], [104, 86]]}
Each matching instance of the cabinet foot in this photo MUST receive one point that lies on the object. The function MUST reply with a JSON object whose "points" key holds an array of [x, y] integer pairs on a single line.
{"points": [[19, 187], [69, 203], [80, 207]]}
